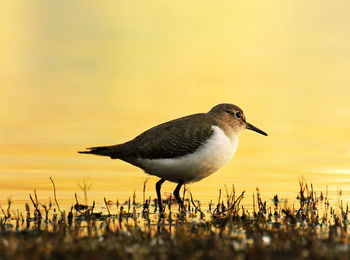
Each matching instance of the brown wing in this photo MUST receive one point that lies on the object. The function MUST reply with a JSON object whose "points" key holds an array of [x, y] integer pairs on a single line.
{"points": [[171, 139], [178, 137]]}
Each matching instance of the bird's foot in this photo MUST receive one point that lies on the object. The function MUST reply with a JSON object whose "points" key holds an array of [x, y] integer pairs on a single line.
{"points": [[161, 215]]}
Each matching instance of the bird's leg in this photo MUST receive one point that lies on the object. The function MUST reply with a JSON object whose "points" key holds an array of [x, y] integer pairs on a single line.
{"points": [[177, 196], [158, 187]]}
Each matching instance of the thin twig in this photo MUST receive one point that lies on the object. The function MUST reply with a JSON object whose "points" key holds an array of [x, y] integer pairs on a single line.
{"points": [[144, 188], [109, 213], [54, 194], [194, 205], [35, 205], [3, 212], [76, 198], [237, 202]]}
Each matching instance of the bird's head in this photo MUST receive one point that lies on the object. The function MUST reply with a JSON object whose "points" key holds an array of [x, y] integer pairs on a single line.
{"points": [[234, 116]]}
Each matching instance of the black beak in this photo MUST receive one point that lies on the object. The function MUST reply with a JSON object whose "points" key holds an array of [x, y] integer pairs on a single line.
{"points": [[253, 128]]}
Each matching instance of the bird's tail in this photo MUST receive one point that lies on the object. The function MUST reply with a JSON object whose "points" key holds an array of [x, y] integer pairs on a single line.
{"points": [[111, 151]]}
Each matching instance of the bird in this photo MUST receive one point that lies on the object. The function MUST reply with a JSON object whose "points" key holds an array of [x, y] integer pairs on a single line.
{"points": [[183, 150]]}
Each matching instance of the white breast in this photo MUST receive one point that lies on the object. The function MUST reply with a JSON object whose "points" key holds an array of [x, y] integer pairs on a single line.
{"points": [[207, 159]]}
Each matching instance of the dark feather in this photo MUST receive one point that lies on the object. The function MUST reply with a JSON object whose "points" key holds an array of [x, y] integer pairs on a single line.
{"points": [[168, 140]]}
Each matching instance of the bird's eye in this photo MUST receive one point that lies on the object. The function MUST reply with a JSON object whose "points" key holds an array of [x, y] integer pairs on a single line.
{"points": [[238, 114]]}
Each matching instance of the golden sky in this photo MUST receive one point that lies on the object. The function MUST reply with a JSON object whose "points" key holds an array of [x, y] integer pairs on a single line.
{"points": [[76, 74]]}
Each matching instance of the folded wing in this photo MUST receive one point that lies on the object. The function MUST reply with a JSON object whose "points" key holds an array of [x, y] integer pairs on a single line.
{"points": [[168, 140]]}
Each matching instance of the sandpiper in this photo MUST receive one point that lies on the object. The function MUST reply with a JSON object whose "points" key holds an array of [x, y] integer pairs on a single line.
{"points": [[183, 150]]}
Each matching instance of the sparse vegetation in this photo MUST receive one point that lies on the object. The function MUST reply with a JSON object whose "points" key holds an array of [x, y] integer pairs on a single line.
{"points": [[313, 228]]}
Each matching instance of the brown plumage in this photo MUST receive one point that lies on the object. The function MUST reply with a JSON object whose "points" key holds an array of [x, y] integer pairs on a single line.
{"points": [[168, 140], [171, 139], [164, 149]]}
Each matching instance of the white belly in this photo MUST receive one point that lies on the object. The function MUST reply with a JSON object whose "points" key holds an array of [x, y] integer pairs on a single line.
{"points": [[207, 159]]}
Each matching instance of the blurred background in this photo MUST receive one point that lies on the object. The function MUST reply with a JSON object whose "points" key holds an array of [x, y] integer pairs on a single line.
{"points": [[76, 74]]}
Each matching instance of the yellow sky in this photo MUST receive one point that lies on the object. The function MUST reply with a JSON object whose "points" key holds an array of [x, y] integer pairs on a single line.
{"points": [[76, 73]]}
